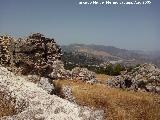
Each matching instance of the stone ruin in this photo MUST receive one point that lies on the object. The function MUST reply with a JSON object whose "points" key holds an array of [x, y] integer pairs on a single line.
{"points": [[33, 55], [35, 62], [38, 55], [6, 50], [39, 58]]}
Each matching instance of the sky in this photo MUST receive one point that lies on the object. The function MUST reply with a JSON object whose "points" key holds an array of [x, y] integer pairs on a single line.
{"points": [[133, 27]]}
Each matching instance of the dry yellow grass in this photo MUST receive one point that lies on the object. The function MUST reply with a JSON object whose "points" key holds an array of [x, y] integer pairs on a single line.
{"points": [[117, 104], [6, 108], [102, 78]]}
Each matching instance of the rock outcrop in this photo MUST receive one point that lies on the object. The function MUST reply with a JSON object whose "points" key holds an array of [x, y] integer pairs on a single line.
{"points": [[31, 102], [145, 77], [83, 74], [67, 94], [58, 71]]}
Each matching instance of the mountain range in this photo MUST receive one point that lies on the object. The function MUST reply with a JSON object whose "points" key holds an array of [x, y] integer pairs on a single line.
{"points": [[97, 54]]}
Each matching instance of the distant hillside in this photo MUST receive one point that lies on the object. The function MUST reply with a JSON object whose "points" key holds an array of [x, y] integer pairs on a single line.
{"points": [[100, 54]]}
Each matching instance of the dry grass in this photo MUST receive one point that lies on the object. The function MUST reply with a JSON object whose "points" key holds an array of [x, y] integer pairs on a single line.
{"points": [[6, 108], [118, 104], [102, 78]]}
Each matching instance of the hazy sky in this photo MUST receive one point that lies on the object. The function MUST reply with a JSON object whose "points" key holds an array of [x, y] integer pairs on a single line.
{"points": [[125, 26]]}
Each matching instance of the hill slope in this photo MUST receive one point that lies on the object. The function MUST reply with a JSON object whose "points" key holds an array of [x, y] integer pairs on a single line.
{"points": [[100, 53]]}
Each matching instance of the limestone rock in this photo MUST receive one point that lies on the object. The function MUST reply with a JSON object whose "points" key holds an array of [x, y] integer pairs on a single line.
{"points": [[33, 78], [32, 102], [145, 77], [82, 74], [67, 94], [45, 84], [58, 71], [92, 81]]}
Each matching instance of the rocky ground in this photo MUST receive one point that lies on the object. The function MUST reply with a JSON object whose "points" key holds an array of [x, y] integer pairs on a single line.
{"points": [[117, 104], [145, 77], [31, 102], [28, 68]]}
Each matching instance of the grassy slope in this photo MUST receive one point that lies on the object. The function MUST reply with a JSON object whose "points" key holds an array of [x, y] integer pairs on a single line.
{"points": [[118, 104]]}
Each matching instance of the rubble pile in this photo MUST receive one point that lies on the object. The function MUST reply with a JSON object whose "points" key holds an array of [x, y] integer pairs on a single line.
{"points": [[33, 103], [145, 77], [83, 74]]}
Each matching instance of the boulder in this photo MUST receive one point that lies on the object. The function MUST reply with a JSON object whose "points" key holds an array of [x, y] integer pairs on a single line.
{"points": [[67, 94], [46, 85], [83, 74], [58, 71], [92, 81]]}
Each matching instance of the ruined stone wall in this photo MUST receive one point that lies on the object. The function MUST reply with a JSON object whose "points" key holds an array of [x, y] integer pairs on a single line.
{"points": [[34, 54], [6, 48], [38, 55]]}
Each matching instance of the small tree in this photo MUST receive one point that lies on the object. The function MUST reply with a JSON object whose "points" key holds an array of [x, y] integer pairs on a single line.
{"points": [[109, 69], [117, 69], [114, 69]]}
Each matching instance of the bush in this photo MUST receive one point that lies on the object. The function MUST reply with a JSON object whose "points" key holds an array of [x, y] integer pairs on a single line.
{"points": [[117, 69], [114, 70]]}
